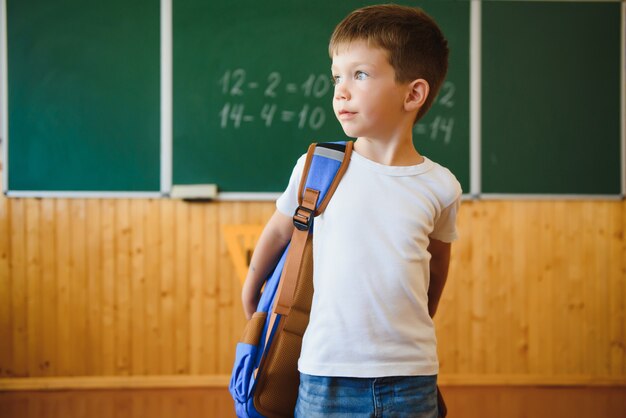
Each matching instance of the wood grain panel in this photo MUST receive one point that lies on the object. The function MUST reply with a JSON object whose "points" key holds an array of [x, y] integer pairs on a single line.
{"points": [[118, 287]]}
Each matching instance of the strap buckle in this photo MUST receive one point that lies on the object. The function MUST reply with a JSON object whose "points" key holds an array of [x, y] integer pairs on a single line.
{"points": [[303, 221]]}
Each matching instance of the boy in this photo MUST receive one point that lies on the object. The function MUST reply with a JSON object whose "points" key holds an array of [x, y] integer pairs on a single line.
{"points": [[382, 247]]}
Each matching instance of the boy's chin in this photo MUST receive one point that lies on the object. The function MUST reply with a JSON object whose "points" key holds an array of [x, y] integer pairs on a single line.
{"points": [[350, 133]]}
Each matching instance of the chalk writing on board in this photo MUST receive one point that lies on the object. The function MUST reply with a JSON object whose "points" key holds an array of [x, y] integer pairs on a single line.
{"points": [[236, 112], [234, 82]]}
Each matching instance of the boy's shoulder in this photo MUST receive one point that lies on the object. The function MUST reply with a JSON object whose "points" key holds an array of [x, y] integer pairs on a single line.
{"points": [[447, 183], [444, 182]]}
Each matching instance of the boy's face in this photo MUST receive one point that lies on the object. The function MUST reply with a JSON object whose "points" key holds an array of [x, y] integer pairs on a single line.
{"points": [[367, 101]]}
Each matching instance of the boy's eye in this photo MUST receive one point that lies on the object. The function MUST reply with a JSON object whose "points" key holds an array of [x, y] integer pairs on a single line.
{"points": [[360, 75], [336, 79]]}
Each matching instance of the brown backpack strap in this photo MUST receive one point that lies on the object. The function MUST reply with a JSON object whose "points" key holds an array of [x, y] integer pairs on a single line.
{"points": [[288, 280], [303, 219]]}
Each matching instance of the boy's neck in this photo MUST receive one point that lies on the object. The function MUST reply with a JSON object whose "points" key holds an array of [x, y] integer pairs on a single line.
{"points": [[395, 151]]}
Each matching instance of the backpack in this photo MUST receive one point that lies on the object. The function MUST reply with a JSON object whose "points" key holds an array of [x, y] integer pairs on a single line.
{"points": [[265, 377]]}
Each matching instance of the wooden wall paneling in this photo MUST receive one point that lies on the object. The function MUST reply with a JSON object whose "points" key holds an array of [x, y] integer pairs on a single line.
{"points": [[503, 294], [33, 287], [196, 276], [447, 337], [224, 276], [550, 259], [616, 301], [6, 311], [78, 286], [494, 335], [168, 286], [18, 289], [488, 334], [116, 287], [464, 302], [7, 319], [64, 321], [137, 301], [181, 277], [94, 287], [618, 305], [49, 298], [122, 287], [617, 291], [152, 340], [230, 213], [596, 299], [555, 262], [210, 286], [538, 287], [581, 278], [615, 305], [522, 281], [500, 266], [565, 265], [476, 318], [591, 287], [108, 288], [589, 333], [592, 297]]}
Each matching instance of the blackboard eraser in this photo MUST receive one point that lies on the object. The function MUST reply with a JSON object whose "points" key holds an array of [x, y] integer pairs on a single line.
{"points": [[194, 192]]}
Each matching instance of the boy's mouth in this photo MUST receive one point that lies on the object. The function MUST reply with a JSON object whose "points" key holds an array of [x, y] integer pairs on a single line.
{"points": [[344, 114]]}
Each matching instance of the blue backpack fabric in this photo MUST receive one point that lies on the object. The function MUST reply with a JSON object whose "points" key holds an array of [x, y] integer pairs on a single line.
{"points": [[263, 382]]}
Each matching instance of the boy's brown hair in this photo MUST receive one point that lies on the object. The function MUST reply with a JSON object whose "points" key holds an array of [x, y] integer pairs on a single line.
{"points": [[415, 44]]}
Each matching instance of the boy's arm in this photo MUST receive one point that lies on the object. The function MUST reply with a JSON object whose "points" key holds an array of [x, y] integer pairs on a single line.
{"points": [[269, 248], [439, 263]]}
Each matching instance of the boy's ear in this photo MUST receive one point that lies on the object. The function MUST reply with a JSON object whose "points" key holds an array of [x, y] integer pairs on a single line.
{"points": [[417, 94]]}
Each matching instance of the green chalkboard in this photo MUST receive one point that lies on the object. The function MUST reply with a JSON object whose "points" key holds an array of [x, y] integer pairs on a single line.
{"points": [[83, 95], [551, 98], [252, 89]]}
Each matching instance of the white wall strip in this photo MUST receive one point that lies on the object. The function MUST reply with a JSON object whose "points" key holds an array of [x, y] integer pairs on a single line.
{"points": [[248, 197], [504, 196], [166, 96], [84, 195], [475, 96], [4, 96]]}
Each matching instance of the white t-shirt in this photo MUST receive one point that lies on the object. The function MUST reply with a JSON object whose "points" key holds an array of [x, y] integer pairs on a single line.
{"points": [[369, 316]]}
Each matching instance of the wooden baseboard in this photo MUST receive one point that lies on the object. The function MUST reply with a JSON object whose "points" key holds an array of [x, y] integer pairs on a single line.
{"points": [[221, 381], [529, 380], [114, 382]]}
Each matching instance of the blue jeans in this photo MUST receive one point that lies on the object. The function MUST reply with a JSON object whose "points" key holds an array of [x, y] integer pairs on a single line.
{"points": [[402, 396]]}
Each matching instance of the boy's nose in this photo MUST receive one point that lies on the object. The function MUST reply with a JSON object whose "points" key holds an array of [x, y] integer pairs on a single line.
{"points": [[341, 92]]}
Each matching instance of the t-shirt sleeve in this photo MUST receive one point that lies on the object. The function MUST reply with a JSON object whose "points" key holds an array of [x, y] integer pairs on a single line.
{"points": [[287, 203], [445, 225]]}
